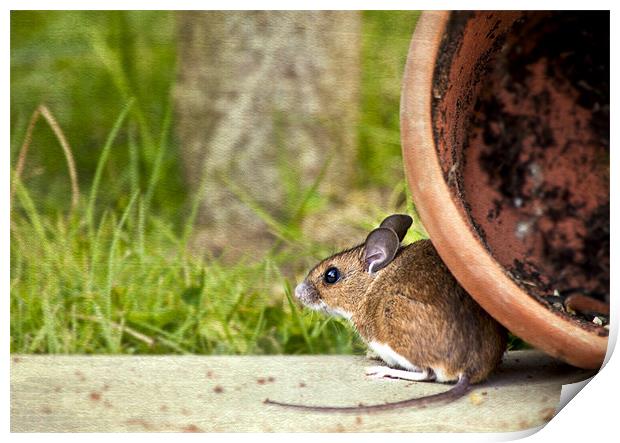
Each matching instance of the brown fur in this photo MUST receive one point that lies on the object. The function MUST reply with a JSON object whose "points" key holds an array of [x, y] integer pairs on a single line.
{"points": [[416, 307]]}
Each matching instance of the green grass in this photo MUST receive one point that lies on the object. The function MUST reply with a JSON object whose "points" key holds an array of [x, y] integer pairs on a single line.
{"points": [[126, 283], [113, 293], [123, 281]]}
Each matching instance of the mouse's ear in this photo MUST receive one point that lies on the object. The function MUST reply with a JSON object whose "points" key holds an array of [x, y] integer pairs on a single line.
{"points": [[380, 248], [399, 223]]}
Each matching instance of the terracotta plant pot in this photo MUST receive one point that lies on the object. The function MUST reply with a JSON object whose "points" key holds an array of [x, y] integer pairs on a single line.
{"points": [[505, 135]]}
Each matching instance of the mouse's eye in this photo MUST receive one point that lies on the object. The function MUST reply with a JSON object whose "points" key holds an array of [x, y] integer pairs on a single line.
{"points": [[332, 275]]}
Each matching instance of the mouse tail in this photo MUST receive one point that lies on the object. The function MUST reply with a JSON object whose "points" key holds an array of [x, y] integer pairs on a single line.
{"points": [[457, 391]]}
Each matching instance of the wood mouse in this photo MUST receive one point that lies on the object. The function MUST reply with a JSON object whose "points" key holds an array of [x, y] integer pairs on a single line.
{"points": [[409, 309]]}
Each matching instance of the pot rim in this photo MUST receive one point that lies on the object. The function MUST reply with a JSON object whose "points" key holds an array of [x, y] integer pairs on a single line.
{"points": [[472, 265]]}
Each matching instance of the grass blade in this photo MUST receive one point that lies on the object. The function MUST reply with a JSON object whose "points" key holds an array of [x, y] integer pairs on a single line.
{"points": [[115, 237], [32, 213], [155, 175], [103, 158]]}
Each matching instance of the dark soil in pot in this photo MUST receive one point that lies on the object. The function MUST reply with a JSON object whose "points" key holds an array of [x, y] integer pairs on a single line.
{"points": [[533, 176]]}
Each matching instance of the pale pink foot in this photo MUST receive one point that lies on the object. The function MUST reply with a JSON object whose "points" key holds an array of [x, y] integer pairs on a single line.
{"points": [[387, 372]]}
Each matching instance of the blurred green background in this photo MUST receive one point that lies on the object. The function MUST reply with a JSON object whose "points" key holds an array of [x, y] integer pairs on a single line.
{"points": [[115, 275]]}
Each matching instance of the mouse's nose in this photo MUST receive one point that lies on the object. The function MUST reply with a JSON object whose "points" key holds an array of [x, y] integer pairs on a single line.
{"points": [[301, 289], [306, 294]]}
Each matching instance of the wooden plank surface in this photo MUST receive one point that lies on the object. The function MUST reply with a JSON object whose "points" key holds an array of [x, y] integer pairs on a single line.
{"points": [[225, 394]]}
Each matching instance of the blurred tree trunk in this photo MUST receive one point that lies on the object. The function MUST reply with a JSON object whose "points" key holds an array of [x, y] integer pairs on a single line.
{"points": [[264, 100]]}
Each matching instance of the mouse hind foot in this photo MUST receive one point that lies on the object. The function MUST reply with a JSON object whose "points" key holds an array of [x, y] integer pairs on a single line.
{"points": [[387, 372]]}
